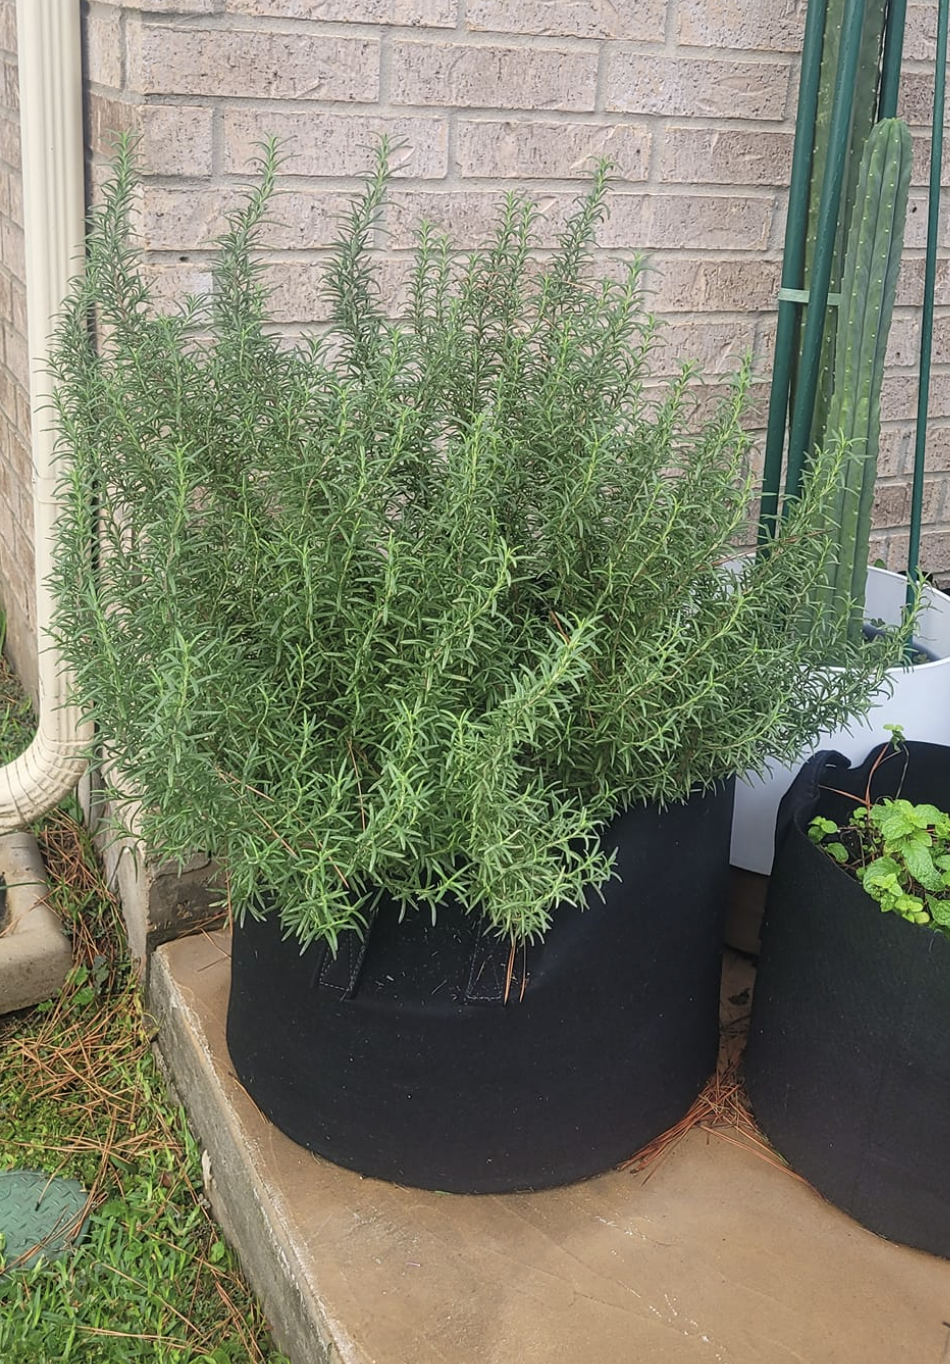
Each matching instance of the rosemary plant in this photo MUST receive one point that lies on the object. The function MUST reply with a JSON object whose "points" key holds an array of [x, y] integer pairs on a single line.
{"points": [[422, 604]]}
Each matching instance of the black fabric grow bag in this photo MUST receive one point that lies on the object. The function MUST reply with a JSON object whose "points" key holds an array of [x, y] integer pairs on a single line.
{"points": [[848, 1059], [404, 1062]]}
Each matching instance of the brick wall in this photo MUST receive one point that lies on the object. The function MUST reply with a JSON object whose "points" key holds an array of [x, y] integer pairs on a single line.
{"points": [[16, 516], [694, 99]]}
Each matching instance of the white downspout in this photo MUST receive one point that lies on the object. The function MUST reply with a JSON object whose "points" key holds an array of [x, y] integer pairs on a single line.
{"points": [[51, 129]]}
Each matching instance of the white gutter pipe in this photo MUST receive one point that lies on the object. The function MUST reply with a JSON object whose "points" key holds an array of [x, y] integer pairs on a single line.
{"points": [[51, 130]]}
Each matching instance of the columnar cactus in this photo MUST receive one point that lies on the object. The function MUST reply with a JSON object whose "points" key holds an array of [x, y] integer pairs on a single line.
{"points": [[864, 112], [872, 259]]}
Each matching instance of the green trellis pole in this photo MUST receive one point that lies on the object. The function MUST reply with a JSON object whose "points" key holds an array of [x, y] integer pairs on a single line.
{"points": [[892, 56], [930, 273], [793, 266]]}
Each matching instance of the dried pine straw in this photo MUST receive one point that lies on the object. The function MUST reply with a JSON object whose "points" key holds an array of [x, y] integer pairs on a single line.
{"points": [[721, 1110], [88, 1061]]}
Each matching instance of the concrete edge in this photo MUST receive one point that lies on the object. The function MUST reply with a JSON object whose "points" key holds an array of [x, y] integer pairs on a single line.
{"points": [[35, 953], [240, 1200]]}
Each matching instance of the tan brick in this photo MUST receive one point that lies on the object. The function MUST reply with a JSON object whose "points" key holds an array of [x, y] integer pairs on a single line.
{"points": [[467, 75], [18, 295], [941, 339], [920, 33], [24, 422], [14, 189], [891, 505], [18, 359], [695, 86], [938, 448], [11, 247], [8, 26], [725, 156], [109, 117], [636, 222], [915, 230], [24, 527], [186, 219], [920, 171], [401, 13], [709, 393], [18, 453], [467, 215], [18, 450], [10, 142], [297, 289], [176, 140], [895, 451], [910, 282], [889, 551], [256, 64], [903, 342], [296, 293], [532, 149], [172, 284], [103, 44], [899, 396], [645, 20], [771, 25], [301, 220], [934, 505], [689, 222], [189, 220], [11, 85], [8, 388], [935, 551], [684, 284], [324, 142], [716, 346], [915, 101], [173, 6]]}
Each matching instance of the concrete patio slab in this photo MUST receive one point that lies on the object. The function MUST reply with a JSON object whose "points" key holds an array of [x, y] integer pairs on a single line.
{"points": [[35, 953], [716, 1257]]}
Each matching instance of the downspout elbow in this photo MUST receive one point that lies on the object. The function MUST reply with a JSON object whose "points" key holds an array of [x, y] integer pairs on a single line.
{"points": [[35, 781], [50, 63]]}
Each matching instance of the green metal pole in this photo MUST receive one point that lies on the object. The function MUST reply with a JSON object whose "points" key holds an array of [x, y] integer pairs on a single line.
{"points": [[893, 54], [930, 272], [793, 265], [829, 206]]}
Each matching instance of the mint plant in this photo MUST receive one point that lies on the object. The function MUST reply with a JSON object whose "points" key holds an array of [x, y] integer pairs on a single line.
{"points": [[422, 603], [899, 852]]}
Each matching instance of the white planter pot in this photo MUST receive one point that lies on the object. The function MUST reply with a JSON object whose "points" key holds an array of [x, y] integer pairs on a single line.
{"points": [[919, 702]]}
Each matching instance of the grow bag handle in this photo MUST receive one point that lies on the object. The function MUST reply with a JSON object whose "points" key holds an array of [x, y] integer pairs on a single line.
{"points": [[486, 979], [802, 796], [341, 973]]}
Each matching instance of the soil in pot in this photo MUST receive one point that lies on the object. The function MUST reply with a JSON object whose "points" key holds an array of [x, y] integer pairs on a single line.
{"points": [[413, 1058]]}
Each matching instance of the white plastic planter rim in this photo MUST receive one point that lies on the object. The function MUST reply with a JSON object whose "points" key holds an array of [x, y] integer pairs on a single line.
{"points": [[919, 702]]}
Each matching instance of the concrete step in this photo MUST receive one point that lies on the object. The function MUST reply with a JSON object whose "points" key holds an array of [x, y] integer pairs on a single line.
{"points": [[35, 952], [715, 1256]]}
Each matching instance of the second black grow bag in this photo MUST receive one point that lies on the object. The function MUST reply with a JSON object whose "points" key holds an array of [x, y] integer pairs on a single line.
{"points": [[848, 1060], [402, 1060]]}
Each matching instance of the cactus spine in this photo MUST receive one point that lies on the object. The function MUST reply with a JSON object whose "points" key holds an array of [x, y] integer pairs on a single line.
{"points": [[872, 259]]}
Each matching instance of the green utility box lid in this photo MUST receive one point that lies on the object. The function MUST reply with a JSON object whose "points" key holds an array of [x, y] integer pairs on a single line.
{"points": [[40, 1215]]}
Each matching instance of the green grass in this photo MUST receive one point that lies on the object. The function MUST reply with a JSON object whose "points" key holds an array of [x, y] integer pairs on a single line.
{"points": [[16, 713], [80, 1095]]}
